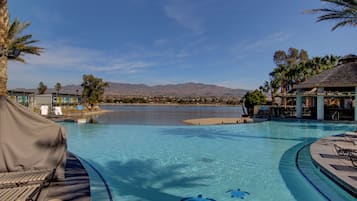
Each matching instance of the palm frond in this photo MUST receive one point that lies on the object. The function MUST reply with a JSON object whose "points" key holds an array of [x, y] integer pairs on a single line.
{"points": [[342, 3], [20, 40], [16, 28], [343, 11], [23, 43], [32, 50], [19, 59], [343, 23], [31, 41]]}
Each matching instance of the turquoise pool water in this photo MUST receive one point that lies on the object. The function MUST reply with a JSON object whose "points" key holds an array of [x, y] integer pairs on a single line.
{"points": [[167, 163]]}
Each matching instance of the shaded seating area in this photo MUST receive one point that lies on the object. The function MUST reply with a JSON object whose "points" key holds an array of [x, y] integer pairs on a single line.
{"points": [[33, 152], [74, 187]]}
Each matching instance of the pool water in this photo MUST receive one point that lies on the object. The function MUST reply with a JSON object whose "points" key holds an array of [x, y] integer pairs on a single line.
{"points": [[168, 163]]}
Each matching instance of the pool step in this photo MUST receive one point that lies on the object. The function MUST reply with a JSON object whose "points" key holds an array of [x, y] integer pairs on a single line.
{"points": [[321, 183]]}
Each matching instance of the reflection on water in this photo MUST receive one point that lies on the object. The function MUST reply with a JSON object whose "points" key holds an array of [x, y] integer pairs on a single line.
{"points": [[162, 115]]}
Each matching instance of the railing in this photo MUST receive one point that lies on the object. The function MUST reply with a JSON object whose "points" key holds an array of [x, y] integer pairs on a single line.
{"points": [[336, 116]]}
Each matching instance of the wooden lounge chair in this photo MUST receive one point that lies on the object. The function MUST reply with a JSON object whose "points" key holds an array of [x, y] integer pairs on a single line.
{"points": [[23, 193], [24, 186]]}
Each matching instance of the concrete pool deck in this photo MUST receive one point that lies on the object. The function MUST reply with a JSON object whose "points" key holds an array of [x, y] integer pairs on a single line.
{"points": [[75, 187], [338, 168]]}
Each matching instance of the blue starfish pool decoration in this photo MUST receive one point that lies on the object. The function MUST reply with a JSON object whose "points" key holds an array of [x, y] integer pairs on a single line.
{"points": [[237, 193], [198, 198]]}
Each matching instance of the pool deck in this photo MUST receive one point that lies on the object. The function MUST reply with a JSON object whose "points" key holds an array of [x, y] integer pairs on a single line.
{"points": [[75, 187], [336, 167], [220, 121]]}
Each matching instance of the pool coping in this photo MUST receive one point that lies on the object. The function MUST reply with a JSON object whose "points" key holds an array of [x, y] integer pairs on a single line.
{"points": [[327, 165]]}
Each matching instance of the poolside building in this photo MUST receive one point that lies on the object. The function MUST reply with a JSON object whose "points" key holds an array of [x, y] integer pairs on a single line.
{"points": [[57, 99], [23, 97], [330, 95]]}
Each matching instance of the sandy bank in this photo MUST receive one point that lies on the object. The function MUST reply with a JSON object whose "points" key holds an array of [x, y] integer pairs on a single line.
{"points": [[217, 121], [85, 113]]}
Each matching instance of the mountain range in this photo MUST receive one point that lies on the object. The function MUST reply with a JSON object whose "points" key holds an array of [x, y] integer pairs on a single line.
{"points": [[177, 90]]}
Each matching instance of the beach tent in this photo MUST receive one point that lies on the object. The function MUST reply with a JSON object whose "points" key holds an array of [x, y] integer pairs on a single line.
{"points": [[29, 141]]}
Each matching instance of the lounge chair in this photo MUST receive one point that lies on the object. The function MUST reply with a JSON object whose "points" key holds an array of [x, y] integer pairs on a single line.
{"points": [[353, 159], [347, 153], [25, 185], [341, 151], [351, 137], [11, 179], [23, 193]]}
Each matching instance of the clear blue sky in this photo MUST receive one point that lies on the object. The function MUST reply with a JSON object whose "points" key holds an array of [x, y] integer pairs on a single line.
{"points": [[225, 42]]}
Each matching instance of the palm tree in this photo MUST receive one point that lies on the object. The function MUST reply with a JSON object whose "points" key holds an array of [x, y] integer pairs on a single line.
{"points": [[4, 27], [58, 87], [342, 11], [12, 44], [271, 86], [317, 65], [288, 70], [41, 88]]}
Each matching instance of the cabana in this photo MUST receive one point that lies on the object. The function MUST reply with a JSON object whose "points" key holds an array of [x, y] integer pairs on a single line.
{"points": [[333, 92]]}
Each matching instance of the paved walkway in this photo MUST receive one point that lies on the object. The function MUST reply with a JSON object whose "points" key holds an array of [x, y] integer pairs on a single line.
{"points": [[336, 167]]}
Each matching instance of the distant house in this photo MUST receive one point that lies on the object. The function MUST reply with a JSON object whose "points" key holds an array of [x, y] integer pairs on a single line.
{"points": [[57, 99], [22, 97]]}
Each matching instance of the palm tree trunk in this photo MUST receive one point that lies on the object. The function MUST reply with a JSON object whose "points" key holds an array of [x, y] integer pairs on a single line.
{"points": [[4, 26], [272, 94]]}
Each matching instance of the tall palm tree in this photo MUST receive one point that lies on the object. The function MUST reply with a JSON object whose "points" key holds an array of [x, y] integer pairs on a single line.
{"points": [[288, 70], [279, 77], [271, 86], [342, 11], [4, 27], [58, 87], [13, 45]]}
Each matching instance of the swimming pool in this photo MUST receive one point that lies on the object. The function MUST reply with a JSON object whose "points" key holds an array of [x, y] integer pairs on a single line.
{"points": [[168, 163]]}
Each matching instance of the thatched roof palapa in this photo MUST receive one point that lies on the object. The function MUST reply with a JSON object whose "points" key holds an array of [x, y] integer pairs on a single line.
{"points": [[343, 75]]}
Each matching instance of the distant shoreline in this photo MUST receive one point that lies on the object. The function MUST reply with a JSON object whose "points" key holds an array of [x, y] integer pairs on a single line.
{"points": [[166, 104]]}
